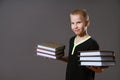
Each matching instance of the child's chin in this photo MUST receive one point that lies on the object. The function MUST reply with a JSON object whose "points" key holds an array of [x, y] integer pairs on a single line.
{"points": [[77, 33]]}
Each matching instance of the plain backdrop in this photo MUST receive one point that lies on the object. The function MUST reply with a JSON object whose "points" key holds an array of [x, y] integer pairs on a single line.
{"points": [[26, 23]]}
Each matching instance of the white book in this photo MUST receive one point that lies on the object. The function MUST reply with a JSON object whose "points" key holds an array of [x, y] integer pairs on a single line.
{"points": [[49, 56], [51, 46], [97, 53], [49, 52], [97, 63], [100, 58]]}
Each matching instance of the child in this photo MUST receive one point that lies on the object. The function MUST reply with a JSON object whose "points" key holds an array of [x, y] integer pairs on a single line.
{"points": [[82, 41]]}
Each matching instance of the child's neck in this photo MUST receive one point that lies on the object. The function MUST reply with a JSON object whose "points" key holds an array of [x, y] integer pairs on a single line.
{"points": [[84, 35], [80, 38]]}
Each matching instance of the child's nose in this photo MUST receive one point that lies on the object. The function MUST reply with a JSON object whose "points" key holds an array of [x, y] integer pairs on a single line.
{"points": [[76, 26]]}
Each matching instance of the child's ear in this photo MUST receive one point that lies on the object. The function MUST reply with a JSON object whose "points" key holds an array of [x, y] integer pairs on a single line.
{"points": [[87, 23]]}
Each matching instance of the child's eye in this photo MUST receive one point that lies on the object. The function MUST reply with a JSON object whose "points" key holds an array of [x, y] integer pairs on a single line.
{"points": [[79, 22], [72, 22]]}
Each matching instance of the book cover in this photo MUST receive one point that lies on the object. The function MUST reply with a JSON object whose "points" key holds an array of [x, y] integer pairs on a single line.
{"points": [[49, 56], [97, 63], [49, 52], [99, 58], [96, 53], [51, 46]]}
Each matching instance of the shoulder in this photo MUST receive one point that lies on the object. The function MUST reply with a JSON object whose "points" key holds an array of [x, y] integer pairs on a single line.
{"points": [[72, 39], [93, 43]]}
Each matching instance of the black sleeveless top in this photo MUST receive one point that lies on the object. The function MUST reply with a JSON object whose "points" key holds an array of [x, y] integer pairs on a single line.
{"points": [[74, 71]]}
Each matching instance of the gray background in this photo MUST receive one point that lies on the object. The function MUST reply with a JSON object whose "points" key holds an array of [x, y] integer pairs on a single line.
{"points": [[26, 23]]}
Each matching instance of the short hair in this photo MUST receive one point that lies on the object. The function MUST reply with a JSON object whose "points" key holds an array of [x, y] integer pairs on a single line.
{"points": [[82, 12]]}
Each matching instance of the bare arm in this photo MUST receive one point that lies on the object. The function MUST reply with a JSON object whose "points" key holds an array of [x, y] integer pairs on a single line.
{"points": [[98, 69], [64, 59]]}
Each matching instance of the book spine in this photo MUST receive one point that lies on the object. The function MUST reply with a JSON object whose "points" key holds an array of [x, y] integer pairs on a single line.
{"points": [[60, 48]]}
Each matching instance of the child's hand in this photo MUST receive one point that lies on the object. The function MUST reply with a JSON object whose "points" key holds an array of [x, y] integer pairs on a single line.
{"points": [[97, 69]]}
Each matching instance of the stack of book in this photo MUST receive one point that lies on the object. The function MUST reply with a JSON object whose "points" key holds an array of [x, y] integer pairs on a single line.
{"points": [[50, 50], [97, 58]]}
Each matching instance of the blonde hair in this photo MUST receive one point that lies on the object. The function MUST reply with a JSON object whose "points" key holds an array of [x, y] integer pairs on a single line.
{"points": [[82, 12]]}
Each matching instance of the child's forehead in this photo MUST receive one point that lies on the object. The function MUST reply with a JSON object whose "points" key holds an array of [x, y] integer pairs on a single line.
{"points": [[80, 15], [77, 16]]}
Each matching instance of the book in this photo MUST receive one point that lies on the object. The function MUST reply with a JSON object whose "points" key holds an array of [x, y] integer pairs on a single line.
{"points": [[99, 58], [112, 63], [96, 53], [96, 58], [51, 46], [49, 52], [50, 56]]}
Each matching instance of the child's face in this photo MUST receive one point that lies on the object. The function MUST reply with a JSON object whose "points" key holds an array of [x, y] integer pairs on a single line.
{"points": [[78, 24]]}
